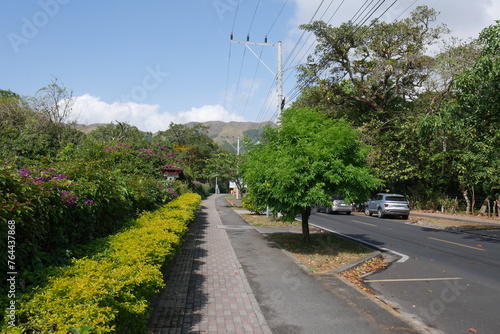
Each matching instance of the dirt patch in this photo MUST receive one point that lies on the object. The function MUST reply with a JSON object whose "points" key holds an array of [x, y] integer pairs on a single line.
{"points": [[262, 220], [324, 252], [444, 223]]}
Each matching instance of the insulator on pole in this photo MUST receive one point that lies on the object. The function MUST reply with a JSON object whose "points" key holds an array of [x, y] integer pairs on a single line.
{"points": [[248, 38], [231, 36], [265, 40]]}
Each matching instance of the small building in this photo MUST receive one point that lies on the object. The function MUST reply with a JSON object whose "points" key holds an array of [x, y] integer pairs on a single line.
{"points": [[172, 172]]}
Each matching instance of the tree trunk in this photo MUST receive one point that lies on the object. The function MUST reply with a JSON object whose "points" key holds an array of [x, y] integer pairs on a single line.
{"points": [[498, 206], [473, 200], [305, 223], [467, 200], [484, 207]]}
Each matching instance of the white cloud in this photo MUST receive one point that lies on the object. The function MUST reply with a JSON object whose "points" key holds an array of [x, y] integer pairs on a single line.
{"points": [[493, 11], [207, 113], [146, 117]]}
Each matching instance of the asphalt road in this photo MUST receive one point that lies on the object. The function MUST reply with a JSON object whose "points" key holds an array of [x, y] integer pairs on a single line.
{"points": [[295, 302], [447, 280]]}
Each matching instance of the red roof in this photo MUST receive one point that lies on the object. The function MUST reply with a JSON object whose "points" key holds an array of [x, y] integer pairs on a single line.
{"points": [[171, 169]]}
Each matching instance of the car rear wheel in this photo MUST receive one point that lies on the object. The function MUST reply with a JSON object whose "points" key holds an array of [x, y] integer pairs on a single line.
{"points": [[380, 213], [404, 216]]}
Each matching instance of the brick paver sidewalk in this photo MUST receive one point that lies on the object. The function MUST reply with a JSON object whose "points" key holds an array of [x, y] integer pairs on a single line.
{"points": [[207, 291]]}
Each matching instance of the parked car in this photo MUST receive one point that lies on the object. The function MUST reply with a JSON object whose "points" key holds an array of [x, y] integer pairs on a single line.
{"points": [[337, 206], [388, 205]]}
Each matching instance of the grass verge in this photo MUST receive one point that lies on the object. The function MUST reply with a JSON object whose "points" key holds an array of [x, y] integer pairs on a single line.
{"points": [[324, 253], [452, 223]]}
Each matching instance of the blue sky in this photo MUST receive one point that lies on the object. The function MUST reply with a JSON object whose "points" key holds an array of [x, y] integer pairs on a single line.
{"points": [[153, 62]]}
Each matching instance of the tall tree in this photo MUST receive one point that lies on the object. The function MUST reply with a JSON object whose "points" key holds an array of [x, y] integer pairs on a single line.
{"points": [[55, 103], [26, 136], [382, 66], [226, 168], [476, 119], [304, 161], [382, 79]]}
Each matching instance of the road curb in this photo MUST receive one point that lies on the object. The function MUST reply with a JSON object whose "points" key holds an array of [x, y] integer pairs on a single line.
{"points": [[358, 263], [401, 257]]}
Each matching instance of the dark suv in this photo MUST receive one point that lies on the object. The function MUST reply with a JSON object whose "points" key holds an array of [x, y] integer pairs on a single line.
{"points": [[388, 205]]}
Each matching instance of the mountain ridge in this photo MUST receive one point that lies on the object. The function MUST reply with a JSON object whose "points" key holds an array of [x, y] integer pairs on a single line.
{"points": [[217, 130]]}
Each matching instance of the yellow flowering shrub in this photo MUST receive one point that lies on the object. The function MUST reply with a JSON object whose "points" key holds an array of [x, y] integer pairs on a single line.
{"points": [[110, 292]]}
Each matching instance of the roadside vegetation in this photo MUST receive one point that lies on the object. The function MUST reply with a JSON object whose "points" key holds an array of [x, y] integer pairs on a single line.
{"points": [[325, 253], [62, 192], [451, 224], [109, 289], [377, 111], [424, 122]]}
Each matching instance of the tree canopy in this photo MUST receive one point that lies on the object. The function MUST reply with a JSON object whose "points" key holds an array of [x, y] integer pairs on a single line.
{"points": [[376, 68], [306, 160], [431, 118]]}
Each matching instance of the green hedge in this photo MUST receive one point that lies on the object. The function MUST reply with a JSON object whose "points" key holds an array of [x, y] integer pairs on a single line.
{"points": [[69, 204], [110, 291]]}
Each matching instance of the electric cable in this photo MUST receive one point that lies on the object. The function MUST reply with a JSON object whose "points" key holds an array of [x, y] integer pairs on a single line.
{"points": [[296, 90], [277, 16], [253, 18], [367, 16], [239, 80], [253, 82]]}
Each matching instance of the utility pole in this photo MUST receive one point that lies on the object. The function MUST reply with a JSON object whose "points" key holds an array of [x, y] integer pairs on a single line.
{"points": [[237, 148], [279, 76]]}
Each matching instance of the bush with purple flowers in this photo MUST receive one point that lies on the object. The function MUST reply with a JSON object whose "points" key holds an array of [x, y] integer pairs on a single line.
{"points": [[71, 204]]}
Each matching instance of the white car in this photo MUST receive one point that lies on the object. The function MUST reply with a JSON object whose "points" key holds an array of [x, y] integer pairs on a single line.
{"points": [[388, 205], [338, 206]]}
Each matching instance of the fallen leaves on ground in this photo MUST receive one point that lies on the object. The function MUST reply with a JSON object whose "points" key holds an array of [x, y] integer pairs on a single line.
{"points": [[353, 275], [323, 253]]}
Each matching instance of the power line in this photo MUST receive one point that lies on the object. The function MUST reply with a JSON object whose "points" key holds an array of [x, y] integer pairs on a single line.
{"points": [[277, 16], [227, 77], [253, 18], [239, 79], [229, 57], [353, 19], [303, 33], [272, 25], [367, 16], [296, 90], [404, 11], [235, 15], [244, 52], [362, 15], [312, 44], [253, 82], [331, 17], [376, 20]]}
